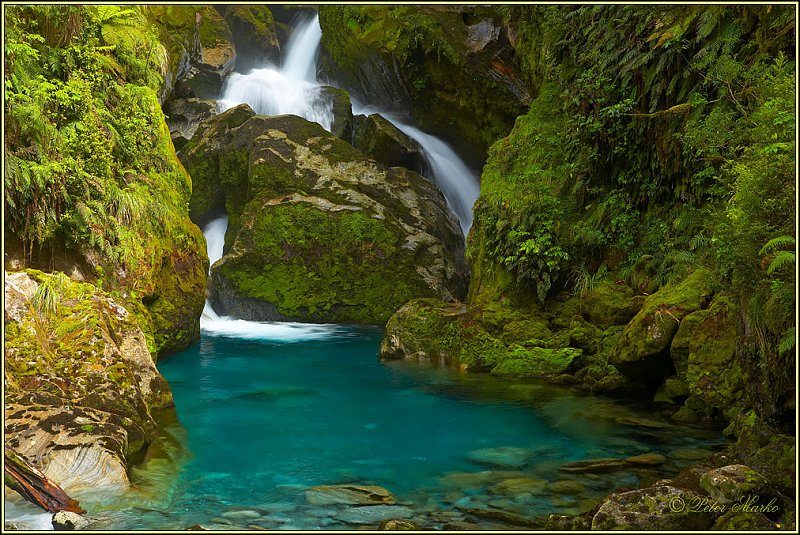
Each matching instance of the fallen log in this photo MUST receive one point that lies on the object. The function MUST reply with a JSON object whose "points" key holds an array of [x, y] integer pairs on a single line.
{"points": [[34, 486]]}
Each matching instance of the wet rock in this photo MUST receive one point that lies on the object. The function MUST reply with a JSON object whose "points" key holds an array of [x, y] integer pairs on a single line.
{"points": [[594, 466], [733, 483], [196, 527], [398, 525], [642, 422], [653, 508], [744, 522], [382, 141], [200, 49], [184, 115], [647, 459], [502, 457], [343, 124], [254, 36], [567, 486], [66, 521], [349, 495], [356, 240], [374, 514]]}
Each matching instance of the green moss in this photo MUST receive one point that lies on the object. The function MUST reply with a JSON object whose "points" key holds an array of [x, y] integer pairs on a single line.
{"points": [[653, 328], [536, 362], [313, 264]]}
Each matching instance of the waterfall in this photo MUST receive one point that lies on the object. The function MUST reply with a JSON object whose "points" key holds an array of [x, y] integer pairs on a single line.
{"points": [[303, 47], [291, 89], [457, 182], [212, 323]]}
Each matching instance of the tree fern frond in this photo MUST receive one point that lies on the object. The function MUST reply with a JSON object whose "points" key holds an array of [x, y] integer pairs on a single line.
{"points": [[778, 242], [787, 342], [781, 259]]}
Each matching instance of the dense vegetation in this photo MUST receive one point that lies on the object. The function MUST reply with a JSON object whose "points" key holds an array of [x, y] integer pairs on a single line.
{"points": [[661, 139], [91, 178]]}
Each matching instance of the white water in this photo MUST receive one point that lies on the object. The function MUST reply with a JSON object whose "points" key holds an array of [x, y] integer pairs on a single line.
{"points": [[292, 89], [24, 515], [212, 323], [458, 183]]}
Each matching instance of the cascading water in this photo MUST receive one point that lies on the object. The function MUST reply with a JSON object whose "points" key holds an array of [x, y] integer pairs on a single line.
{"points": [[292, 89], [457, 182]]}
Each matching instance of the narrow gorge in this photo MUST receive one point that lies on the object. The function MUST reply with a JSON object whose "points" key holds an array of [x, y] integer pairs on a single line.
{"points": [[339, 267]]}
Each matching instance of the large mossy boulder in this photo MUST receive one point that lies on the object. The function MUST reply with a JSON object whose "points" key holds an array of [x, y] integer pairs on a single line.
{"points": [[82, 388], [713, 372], [316, 231], [450, 62], [651, 331], [430, 330]]}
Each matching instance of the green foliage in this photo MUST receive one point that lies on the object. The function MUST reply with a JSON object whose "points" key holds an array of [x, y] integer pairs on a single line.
{"points": [[90, 169], [47, 296]]}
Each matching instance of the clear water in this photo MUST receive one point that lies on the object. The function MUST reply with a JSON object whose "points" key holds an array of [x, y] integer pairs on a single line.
{"points": [[261, 420]]}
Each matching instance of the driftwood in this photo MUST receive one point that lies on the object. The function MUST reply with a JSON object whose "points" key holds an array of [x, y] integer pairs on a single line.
{"points": [[34, 486]]}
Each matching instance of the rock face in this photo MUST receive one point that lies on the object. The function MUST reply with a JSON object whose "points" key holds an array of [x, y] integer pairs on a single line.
{"points": [[253, 32], [316, 232], [81, 386], [382, 141], [200, 49], [184, 115], [451, 62]]}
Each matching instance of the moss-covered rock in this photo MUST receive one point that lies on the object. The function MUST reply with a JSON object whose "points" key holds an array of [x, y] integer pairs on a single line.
{"points": [[432, 331], [82, 382], [254, 36], [448, 62], [609, 304], [714, 374], [343, 123], [651, 331], [316, 232], [200, 49], [382, 141], [657, 507]]}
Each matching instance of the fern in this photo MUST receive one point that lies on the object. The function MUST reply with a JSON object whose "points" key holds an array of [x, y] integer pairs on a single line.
{"points": [[780, 260], [787, 342], [777, 243]]}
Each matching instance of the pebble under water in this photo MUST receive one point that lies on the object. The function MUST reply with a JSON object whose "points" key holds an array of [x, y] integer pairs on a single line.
{"points": [[259, 421]]}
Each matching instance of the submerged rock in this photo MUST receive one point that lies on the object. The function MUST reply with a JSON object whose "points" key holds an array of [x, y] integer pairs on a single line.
{"points": [[594, 466], [349, 495], [373, 514], [316, 231], [502, 457]]}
